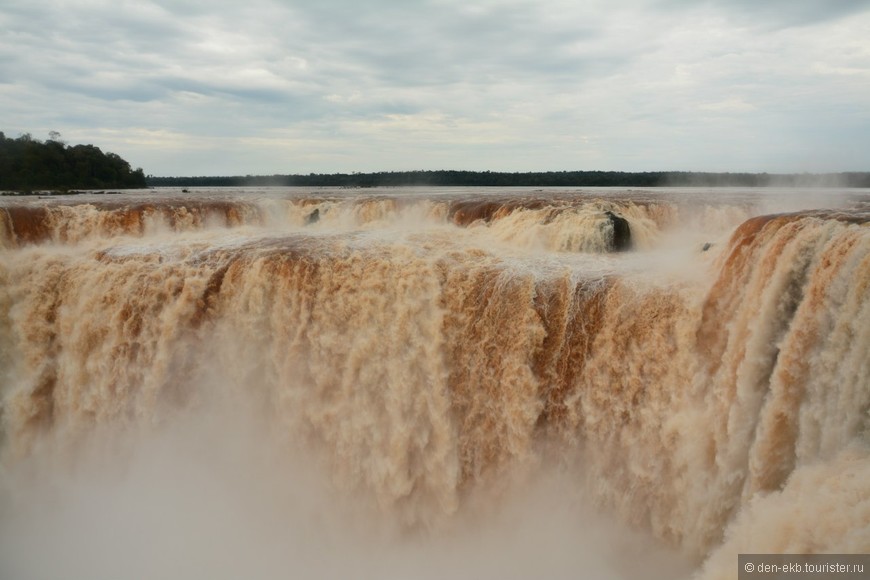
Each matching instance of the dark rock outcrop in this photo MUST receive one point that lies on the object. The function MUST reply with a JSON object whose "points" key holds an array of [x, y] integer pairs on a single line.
{"points": [[621, 232]]}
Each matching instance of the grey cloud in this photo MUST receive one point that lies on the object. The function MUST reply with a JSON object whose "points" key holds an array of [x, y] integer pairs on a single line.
{"points": [[506, 81], [778, 13], [403, 45], [425, 43]]}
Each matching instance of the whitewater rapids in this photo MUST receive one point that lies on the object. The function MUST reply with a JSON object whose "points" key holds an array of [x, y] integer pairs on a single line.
{"points": [[430, 383]]}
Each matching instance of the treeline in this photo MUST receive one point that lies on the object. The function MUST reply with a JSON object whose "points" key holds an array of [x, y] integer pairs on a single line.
{"points": [[27, 164], [447, 178]]}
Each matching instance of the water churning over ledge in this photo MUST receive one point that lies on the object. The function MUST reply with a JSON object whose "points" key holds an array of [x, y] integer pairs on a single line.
{"points": [[429, 353]]}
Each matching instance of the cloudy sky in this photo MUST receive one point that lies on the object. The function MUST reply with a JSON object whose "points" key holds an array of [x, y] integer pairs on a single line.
{"points": [[226, 87]]}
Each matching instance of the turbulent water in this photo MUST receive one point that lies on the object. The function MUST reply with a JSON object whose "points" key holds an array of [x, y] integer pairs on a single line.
{"points": [[471, 383]]}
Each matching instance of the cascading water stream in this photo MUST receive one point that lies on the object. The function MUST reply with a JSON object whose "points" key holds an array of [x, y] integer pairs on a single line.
{"points": [[427, 352]]}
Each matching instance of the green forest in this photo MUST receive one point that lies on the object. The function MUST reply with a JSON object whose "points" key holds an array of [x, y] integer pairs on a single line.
{"points": [[446, 178], [27, 164]]}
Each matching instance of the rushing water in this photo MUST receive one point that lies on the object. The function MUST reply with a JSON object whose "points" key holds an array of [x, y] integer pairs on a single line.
{"points": [[427, 383]]}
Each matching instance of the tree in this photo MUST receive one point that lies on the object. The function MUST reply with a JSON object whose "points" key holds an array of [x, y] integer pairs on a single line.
{"points": [[28, 164]]}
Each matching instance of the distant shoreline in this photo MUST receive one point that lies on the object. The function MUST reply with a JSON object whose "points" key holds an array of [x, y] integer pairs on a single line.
{"points": [[54, 193], [448, 178]]}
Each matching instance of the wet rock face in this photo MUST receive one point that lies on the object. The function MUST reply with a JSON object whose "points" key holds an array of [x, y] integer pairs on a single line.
{"points": [[621, 232]]}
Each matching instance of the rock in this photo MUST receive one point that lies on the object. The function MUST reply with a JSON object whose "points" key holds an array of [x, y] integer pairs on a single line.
{"points": [[621, 240], [313, 217], [707, 246]]}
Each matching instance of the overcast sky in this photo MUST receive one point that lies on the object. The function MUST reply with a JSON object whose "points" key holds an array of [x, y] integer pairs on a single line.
{"points": [[226, 87]]}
